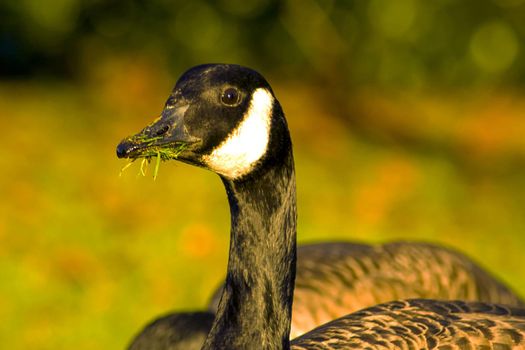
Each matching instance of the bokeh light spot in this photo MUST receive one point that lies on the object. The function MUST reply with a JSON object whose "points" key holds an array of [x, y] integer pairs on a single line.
{"points": [[392, 18], [198, 241], [198, 27], [56, 18], [494, 47]]}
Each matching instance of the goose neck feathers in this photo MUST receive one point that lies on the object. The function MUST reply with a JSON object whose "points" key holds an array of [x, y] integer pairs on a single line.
{"points": [[255, 307]]}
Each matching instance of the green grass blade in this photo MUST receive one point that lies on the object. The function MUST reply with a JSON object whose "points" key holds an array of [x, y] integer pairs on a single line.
{"points": [[157, 165], [142, 168], [125, 167]]}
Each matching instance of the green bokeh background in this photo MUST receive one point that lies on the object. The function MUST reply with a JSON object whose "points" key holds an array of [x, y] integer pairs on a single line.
{"points": [[408, 121]]}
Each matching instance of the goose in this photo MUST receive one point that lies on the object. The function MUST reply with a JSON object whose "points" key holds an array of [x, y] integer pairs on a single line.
{"points": [[337, 278], [226, 118], [176, 331]]}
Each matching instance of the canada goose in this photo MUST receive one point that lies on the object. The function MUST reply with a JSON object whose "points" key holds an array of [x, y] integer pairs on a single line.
{"points": [[226, 118], [334, 277], [176, 331]]}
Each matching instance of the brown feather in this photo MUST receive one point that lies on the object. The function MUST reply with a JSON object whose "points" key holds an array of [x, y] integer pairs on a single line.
{"points": [[422, 324], [334, 279]]}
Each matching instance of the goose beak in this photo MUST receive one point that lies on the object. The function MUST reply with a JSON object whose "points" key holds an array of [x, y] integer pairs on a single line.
{"points": [[166, 136]]}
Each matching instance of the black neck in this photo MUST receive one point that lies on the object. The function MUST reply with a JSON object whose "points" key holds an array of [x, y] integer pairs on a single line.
{"points": [[256, 305]]}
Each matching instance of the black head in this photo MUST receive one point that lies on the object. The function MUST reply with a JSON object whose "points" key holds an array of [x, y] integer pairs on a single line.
{"points": [[219, 116]]}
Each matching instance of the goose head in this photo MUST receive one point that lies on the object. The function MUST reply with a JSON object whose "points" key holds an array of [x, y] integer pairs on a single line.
{"points": [[221, 117]]}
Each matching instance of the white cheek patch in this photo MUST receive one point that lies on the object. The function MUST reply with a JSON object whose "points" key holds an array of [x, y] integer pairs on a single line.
{"points": [[237, 155]]}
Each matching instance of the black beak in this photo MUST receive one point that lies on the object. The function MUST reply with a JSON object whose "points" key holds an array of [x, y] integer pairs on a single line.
{"points": [[124, 148], [168, 131]]}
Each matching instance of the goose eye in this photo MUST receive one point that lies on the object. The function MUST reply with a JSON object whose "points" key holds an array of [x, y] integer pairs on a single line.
{"points": [[230, 97]]}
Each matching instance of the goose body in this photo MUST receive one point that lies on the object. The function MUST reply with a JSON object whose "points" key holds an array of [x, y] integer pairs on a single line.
{"points": [[176, 331], [229, 121], [422, 324], [336, 278]]}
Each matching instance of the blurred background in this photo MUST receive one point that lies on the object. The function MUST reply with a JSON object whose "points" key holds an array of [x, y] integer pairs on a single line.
{"points": [[408, 120]]}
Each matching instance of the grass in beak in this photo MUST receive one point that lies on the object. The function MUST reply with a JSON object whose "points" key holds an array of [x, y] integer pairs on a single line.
{"points": [[157, 166], [125, 167], [161, 154], [142, 168]]}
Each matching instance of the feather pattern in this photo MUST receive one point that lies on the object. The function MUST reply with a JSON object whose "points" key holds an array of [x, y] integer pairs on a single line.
{"points": [[336, 278], [333, 279], [422, 324]]}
